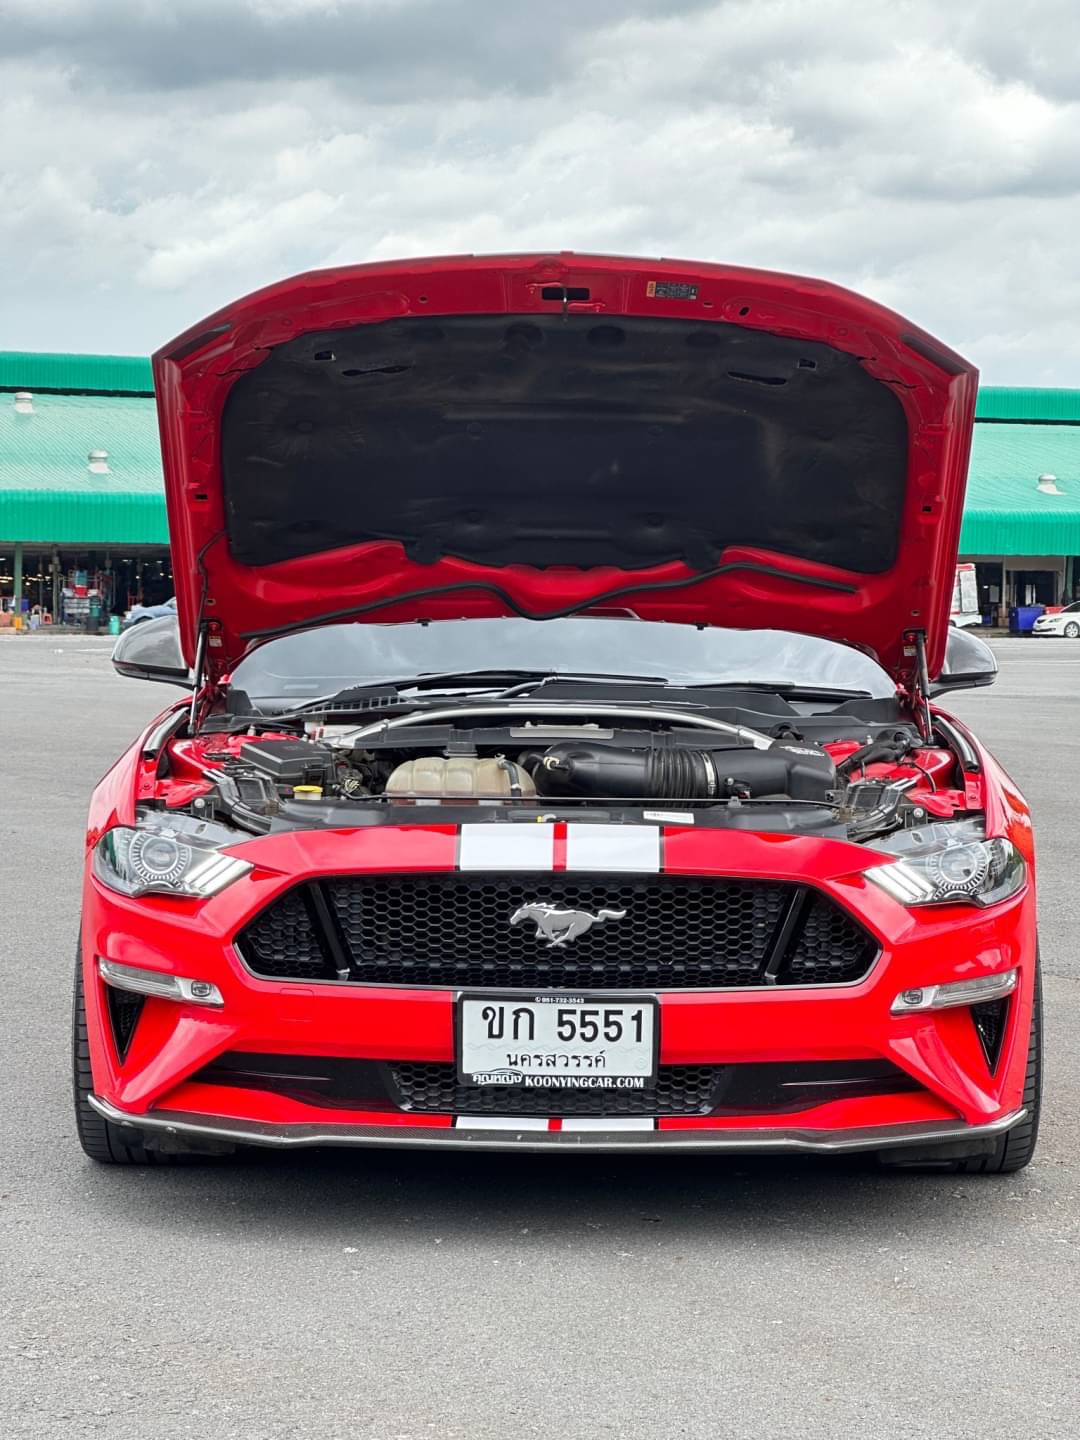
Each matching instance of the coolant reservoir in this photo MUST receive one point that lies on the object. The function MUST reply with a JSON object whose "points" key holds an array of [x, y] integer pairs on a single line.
{"points": [[461, 777]]}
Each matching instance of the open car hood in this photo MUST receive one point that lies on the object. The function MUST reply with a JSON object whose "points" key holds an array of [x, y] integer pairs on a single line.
{"points": [[542, 434]]}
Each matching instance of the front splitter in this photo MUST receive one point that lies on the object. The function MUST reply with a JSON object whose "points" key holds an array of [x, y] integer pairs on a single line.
{"points": [[192, 1128]]}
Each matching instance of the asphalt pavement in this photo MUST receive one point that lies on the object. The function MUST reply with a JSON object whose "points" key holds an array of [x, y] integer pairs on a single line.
{"points": [[388, 1296]]}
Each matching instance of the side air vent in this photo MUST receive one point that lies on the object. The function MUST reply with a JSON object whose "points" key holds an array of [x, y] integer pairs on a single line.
{"points": [[124, 1011], [990, 1019]]}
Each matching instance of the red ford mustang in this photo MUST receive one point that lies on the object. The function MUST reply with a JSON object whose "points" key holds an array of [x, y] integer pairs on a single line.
{"points": [[562, 767]]}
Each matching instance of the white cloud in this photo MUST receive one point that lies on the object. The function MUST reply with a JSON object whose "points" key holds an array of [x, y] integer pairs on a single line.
{"points": [[154, 168]]}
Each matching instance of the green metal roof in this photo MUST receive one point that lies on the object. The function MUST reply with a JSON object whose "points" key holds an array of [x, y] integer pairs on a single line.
{"points": [[128, 374], [1048, 407], [1005, 512], [48, 492], [82, 374]]}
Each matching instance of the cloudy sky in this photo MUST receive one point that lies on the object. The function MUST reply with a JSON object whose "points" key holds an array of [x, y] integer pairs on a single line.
{"points": [[163, 156]]}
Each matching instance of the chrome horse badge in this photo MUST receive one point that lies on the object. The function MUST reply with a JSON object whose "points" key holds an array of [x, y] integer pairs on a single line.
{"points": [[557, 925]]}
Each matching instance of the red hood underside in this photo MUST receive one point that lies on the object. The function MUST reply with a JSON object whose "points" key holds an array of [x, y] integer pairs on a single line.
{"points": [[535, 434]]}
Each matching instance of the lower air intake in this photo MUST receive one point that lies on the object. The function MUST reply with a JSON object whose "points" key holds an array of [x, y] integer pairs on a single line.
{"points": [[432, 1087]]}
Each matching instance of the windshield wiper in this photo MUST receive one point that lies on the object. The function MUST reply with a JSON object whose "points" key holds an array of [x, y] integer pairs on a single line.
{"points": [[785, 688], [494, 683], [525, 678], [396, 693]]}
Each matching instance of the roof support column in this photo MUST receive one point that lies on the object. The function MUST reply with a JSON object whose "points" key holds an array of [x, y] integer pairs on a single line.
{"points": [[1003, 613], [17, 577]]}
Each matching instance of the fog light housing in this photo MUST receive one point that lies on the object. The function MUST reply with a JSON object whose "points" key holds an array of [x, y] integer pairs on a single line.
{"points": [[956, 992], [158, 983]]}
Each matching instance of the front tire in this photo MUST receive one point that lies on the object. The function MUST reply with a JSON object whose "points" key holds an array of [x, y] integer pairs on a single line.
{"points": [[1072, 630], [1011, 1151]]}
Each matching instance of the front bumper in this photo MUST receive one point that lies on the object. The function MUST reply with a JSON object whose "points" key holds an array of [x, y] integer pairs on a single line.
{"points": [[515, 1134], [951, 1094]]}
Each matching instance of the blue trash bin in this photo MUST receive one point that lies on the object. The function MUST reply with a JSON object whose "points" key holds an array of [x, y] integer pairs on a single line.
{"points": [[1022, 618]]}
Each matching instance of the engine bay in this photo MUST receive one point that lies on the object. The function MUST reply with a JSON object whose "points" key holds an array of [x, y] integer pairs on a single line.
{"points": [[856, 771]]}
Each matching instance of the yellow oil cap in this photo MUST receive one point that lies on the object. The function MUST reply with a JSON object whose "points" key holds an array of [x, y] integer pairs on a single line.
{"points": [[307, 792]]}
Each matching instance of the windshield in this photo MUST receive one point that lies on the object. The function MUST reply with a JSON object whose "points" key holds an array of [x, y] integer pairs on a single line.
{"points": [[320, 661]]}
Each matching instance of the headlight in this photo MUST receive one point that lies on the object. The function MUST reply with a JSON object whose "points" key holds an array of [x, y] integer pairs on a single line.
{"points": [[969, 872], [157, 857]]}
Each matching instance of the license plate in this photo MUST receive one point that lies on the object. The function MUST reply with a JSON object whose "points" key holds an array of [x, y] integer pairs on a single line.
{"points": [[558, 1042]]}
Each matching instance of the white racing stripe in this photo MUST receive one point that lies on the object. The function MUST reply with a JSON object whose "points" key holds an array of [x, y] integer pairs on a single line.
{"points": [[506, 847], [613, 847], [500, 1122], [630, 849], [613, 1122]]}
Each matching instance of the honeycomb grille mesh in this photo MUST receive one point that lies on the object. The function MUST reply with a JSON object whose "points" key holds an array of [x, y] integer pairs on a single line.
{"points": [[450, 931], [283, 942], [828, 947], [434, 1088]]}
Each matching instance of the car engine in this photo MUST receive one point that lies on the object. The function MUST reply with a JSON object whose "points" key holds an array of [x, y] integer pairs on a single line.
{"points": [[844, 772]]}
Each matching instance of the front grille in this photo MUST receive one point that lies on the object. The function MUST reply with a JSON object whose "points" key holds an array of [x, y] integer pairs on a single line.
{"points": [[453, 931], [431, 1087]]}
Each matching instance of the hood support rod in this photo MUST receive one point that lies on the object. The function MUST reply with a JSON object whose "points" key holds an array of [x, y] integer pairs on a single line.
{"points": [[197, 677], [920, 684]]}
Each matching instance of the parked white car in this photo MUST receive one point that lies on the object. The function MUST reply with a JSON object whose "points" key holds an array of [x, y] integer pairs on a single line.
{"points": [[1066, 622], [138, 613]]}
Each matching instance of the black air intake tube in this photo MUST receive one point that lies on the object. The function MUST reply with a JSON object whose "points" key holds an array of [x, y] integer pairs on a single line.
{"points": [[666, 771]]}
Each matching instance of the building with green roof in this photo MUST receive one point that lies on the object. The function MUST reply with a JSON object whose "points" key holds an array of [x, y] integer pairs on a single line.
{"points": [[1022, 509], [82, 507], [83, 530]]}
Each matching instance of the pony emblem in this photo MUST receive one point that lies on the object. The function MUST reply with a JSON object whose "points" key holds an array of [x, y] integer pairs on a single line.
{"points": [[557, 925]]}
